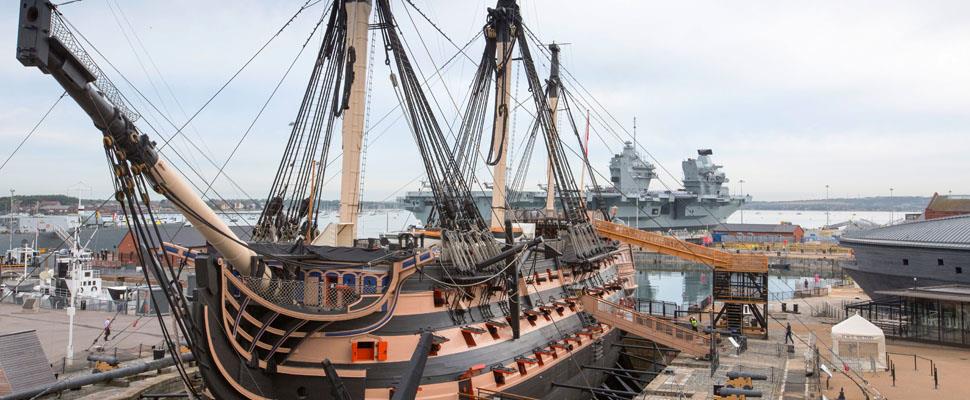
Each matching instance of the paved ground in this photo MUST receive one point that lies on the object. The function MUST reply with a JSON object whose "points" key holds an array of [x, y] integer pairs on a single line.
{"points": [[686, 377], [953, 363], [128, 331]]}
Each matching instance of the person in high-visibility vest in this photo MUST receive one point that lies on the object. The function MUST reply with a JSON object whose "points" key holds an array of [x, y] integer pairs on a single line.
{"points": [[693, 323]]}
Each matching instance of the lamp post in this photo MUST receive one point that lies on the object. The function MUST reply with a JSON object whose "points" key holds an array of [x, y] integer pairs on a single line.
{"points": [[741, 188], [827, 206], [892, 210], [10, 219]]}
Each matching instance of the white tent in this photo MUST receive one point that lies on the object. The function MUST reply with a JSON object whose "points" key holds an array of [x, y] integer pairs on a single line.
{"points": [[859, 343]]}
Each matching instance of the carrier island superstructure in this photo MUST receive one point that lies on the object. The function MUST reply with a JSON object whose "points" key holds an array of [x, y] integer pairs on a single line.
{"points": [[703, 201]]}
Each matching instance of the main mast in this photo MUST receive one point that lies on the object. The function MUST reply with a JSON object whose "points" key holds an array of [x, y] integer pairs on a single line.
{"points": [[352, 131], [500, 138], [553, 87]]}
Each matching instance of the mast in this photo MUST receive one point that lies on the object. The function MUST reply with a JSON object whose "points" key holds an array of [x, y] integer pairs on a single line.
{"points": [[358, 17], [500, 138], [553, 105]]}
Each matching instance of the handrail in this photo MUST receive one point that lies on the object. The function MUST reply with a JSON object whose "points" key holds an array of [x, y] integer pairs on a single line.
{"points": [[650, 327], [672, 246]]}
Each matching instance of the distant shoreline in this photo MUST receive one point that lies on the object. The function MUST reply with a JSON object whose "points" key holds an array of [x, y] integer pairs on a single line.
{"points": [[883, 203]]}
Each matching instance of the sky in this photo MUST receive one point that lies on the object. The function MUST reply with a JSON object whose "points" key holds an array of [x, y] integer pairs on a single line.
{"points": [[791, 96]]}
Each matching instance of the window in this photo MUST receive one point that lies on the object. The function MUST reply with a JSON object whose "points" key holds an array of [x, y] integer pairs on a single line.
{"points": [[958, 270], [939, 261], [905, 261]]}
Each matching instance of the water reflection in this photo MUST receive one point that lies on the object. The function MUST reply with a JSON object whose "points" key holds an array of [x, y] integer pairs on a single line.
{"points": [[691, 284]]}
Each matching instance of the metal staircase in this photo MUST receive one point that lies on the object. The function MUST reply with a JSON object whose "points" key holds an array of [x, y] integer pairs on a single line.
{"points": [[739, 279], [659, 330]]}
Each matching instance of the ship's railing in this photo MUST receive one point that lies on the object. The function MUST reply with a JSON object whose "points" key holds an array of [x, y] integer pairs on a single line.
{"points": [[312, 294], [660, 330]]}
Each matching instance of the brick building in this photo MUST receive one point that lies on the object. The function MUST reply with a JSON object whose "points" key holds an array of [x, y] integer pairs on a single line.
{"points": [[946, 206]]}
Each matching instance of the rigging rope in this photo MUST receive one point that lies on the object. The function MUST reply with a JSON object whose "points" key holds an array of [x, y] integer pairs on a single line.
{"points": [[31, 132]]}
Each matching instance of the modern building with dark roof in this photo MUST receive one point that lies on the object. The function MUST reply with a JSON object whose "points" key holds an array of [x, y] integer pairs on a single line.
{"points": [[947, 206], [937, 314], [923, 253], [757, 233]]}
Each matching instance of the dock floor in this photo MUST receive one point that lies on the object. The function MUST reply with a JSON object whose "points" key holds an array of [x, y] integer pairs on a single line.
{"points": [[686, 377]]}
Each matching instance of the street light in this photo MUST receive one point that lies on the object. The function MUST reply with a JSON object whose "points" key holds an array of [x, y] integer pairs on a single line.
{"points": [[892, 210], [10, 219], [741, 188], [827, 206]]}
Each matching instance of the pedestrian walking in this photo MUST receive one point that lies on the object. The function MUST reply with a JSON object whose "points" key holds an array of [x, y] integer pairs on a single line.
{"points": [[107, 329], [788, 335], [693, 323], [841, 393]]}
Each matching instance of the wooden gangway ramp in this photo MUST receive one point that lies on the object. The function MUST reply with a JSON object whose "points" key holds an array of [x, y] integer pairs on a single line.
{"points": [[656, 329], [719, 259], [740, 279]]}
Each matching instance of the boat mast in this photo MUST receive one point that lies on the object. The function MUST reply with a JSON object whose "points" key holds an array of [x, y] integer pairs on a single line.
{"points": [[75, 272], [500, 138], [553, 105], [352, 130]]}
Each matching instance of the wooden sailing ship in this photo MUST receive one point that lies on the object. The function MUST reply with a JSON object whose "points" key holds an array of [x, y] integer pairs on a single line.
{"points": [[310, 312]]}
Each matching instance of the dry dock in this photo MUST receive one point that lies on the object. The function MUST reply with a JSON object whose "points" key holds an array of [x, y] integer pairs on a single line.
{"points": [[686, 377]]}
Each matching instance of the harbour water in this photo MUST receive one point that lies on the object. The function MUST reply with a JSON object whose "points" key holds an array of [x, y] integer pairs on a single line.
{"points": [[693, 285]]}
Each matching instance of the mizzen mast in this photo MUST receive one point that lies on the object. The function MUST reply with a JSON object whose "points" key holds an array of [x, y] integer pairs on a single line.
{"points": [[358, 17]]}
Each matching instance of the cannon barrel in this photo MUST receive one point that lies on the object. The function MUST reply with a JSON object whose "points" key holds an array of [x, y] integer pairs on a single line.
{"points": [[742, 374], [81, 381], [726, 391], [110, 360]]}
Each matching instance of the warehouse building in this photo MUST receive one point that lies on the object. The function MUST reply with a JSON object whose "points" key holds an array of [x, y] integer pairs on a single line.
{"points": [[758, 233]]}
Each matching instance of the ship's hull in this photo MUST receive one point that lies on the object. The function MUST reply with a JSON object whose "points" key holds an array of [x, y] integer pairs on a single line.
{"points": [[657, 211], [882, 267], [235, 366]]}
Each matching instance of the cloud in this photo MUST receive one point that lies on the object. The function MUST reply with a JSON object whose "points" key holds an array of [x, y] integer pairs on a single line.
{"points": [[791, 96]]}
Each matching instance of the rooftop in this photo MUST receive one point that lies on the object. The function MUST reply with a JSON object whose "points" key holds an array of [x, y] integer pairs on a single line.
{"points": [[951, 232], [960, 293], [758, 228], [949, 203]]}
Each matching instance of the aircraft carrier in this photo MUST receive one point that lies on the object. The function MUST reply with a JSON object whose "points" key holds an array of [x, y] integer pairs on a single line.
{"points": [[703, 202]]}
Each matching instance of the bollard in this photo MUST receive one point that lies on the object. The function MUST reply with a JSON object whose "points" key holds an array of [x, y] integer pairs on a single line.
{"points": [[936, 379], [892, 370], [915, 368]]}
